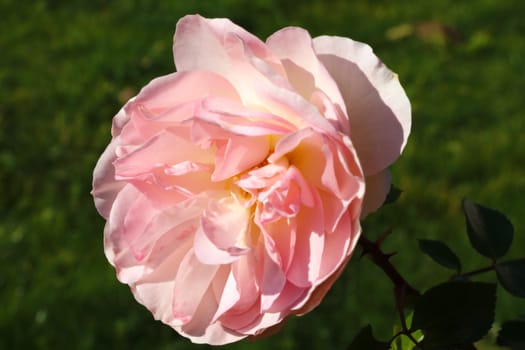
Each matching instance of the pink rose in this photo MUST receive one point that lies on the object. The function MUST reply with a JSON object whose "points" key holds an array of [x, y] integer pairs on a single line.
{"points": [[233, 188]]}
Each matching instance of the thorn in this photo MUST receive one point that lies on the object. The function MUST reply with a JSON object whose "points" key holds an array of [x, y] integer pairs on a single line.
{"points": [[389, 255], [384, 236]]}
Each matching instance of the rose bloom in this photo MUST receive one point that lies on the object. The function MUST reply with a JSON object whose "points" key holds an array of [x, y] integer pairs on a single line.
{"points": [[233, 189]]}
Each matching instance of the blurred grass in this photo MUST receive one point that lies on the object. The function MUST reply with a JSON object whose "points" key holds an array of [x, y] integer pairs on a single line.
{"points": [[66, 67]]}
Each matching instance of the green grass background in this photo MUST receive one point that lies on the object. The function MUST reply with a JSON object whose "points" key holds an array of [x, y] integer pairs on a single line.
{"points": [[66, 67]]}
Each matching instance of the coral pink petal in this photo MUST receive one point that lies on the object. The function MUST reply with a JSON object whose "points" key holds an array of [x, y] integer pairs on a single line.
{"points": [[377, 105]]}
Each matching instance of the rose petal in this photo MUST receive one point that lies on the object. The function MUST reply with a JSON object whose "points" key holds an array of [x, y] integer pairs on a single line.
{"points": [[242, 320], [342, 174], [377, 188], [337, 246], [233, 189], [199, 44], [201, 330], [191, 283], [182, 87], [377, 105], [273, 277], [222, 47], [240, 120], [221, 236], [156, 290], [293, 46], [290, 296], [244, 272], [227, 295], [118, 237], [234, 153], [105, 186]]}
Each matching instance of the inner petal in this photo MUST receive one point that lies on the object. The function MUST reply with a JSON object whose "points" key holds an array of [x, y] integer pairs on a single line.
{"points": [[223, 234]]}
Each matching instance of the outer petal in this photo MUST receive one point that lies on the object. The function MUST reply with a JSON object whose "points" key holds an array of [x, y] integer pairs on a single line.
{"points": [[199, 43], [224, 48], [156, 290], [219, 46], [191, 284], [201, 330], [294, 47], [377, 105], [377, 188], [176, 88], [105, 187]]}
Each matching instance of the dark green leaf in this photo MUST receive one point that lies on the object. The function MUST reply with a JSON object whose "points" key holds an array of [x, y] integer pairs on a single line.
{"points": [[489, 231], [393, 195], [511, 275], [365, 340], [467, 347], [512, 334], [440, 253], [455, 314]]}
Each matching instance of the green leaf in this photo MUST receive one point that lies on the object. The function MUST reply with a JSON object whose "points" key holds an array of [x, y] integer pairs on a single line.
{"points": [[402, 342], [512, 334], [440, 253], [365, 340], [455, 314], [393, 195], [489, 231], [511, 275]]}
